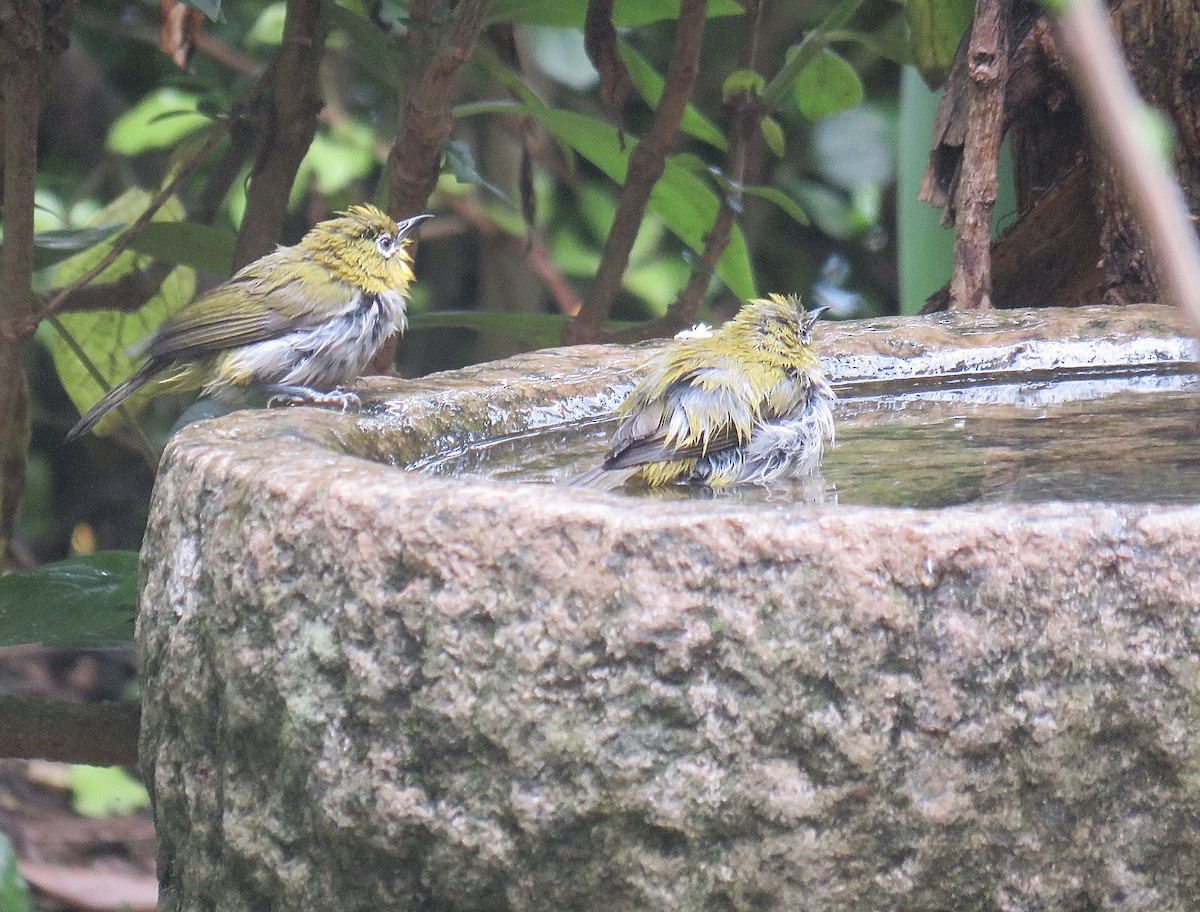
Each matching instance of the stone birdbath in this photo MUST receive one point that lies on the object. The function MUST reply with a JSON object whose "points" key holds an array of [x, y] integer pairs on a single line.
{"points": [[369, 687]]}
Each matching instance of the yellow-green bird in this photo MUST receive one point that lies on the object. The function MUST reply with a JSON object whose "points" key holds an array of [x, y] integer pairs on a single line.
{"points": [[748, 403], [296, 324]]}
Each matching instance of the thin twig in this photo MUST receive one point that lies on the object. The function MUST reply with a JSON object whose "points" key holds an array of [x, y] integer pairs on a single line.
{"points": [[126, 294], [1117, 115], [130, 234], [564, 295], [646, 164], [975, 197]]}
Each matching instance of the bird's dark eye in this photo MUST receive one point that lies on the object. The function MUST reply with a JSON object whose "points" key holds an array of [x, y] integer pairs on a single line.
{"points": [[386, 244]]}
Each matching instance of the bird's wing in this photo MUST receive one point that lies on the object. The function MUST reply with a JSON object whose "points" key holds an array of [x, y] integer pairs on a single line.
{"points": [[703, 412], [267, 299]]}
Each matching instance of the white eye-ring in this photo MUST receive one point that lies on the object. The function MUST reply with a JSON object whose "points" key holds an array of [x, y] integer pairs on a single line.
{"points": [[386, 244]]}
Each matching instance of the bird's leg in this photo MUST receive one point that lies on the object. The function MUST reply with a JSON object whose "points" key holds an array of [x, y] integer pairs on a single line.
{"points": [[281, 394]]}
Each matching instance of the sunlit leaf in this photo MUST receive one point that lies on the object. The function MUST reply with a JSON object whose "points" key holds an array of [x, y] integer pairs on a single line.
{"points": [[160, 120], [106, 335], [268, 27], [682, 199], [83, 602], [650, 85], [827, 85], [104, 791], [741, 82], [571, 13], [338, 156], [773, 134]]}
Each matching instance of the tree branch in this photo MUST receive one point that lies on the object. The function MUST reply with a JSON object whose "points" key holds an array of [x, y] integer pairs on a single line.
{"points": [[103, 734], [414, 160], [23, 59], [288, 115], [1116, 114], [975, 196], [646, 164]]}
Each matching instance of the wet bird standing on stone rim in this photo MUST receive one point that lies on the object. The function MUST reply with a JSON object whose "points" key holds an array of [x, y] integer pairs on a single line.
{"points": [[746, 403], [296, 324]]}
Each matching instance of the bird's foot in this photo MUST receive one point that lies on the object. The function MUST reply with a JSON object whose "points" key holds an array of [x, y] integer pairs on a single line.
{"points": [[343, 399]]}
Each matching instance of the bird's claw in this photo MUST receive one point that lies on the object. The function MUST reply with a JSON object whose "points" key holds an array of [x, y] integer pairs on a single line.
{"points": [[345, 401]]}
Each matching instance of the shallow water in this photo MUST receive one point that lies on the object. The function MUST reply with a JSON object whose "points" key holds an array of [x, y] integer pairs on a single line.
{"points": [[928, 443]]}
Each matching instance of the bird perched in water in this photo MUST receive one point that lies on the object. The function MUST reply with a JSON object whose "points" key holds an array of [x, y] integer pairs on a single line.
{"points": [[746, 403], [296, 324]]}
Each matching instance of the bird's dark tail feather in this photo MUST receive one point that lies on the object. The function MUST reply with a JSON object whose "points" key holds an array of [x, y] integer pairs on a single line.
{"points": [[113, 398]]}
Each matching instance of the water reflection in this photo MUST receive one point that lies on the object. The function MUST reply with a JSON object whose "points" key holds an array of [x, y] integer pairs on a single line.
{"points": [[928, 444]]}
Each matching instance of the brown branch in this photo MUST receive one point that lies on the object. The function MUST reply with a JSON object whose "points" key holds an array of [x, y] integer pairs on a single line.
{"points": [[748, 112], [103, 734], [600, 42], [129, 235], [414, 160], [1097, 69], [646, 164], [975, 196], [288, 116], [23, 59], [126, 294]]}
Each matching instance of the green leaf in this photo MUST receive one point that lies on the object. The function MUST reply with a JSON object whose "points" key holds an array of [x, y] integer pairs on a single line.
{"points": [[160, 120], [782, 200], [937, 27], [460, 160], [925, 246], [210, 8], [773, 134], [104, 791], [106, 335], [650, 86], [50, 247], [202, 247], [14, 895], [827, 85], [268, 27], [83, 602], [742, 82], [337, 156], [571, 13]]}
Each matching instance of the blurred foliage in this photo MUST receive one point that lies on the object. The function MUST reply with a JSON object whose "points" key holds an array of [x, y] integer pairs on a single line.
{"points": [[104, 791], [14, 894], [817, 216]]}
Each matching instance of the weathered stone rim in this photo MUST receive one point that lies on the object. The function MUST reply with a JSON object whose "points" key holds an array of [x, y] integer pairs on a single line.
{"points": [[404, 422]]}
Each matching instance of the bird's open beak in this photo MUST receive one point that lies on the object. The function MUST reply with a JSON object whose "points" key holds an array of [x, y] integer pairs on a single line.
{"points": [[405, 226]]}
